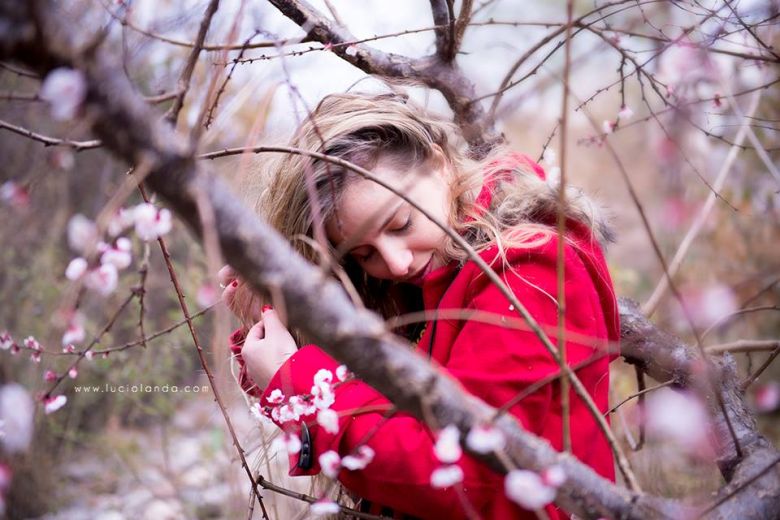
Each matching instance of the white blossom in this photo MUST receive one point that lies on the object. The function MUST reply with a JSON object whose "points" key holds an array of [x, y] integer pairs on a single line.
{"points": [[275, 397], [364, 456], [76, 268], [102, 280], [5, 340], [625, 113], [447, 447], [323, 376], [120, 221], [329, 420], [64, 89], [767, 397], [53, 404], [324, 507], [446, 476], [330, 462], [150, 222], [342, 373], [485, 439], [288, 442], [527, 489], [554, 476], [118, 255], [323, 396], [82, 233], [75, 331], [17, 411]]}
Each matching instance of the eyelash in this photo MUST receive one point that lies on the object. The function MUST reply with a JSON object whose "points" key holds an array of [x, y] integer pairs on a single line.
{"points": [[402, 229]]}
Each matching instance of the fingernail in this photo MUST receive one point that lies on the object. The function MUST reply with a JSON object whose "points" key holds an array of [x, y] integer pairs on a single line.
{"points": [[266, 308], [234, 284]]}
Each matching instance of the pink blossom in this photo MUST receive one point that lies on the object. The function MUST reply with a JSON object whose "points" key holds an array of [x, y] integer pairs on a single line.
{"points": [[324, 507], [364, 456], [329, 420], [75, 331], [5, 340], [50, 375], [625, 113], [76, 268], [485, 439], [61, 158], [16, 196], [52, 404], [102, 280], [288, 442], [206, 295], [35, 357], [89, 355], [342, 373], [554, 476], [446, 476], [678, 416], [17, 411], [447, 447], [32, 343], [69, 349], [65, 90], [709, 304], [527, 489], [119, 256], [121, 220], [275, 397], [766, 398], [150, 222], [73, 373], [82, 233], [608, 126], [330, 462], [105, 355]]}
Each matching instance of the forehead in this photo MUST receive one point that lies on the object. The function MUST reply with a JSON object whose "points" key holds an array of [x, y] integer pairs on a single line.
{"points": [[362, 209]]}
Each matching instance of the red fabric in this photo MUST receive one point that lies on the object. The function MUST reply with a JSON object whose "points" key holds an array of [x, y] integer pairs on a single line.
{"points": [[492, 362]]}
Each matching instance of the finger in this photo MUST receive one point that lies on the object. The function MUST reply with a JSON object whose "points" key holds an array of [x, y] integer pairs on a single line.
{"points": [[226, 275], [257, 331], [229, 293], [273, 324]]}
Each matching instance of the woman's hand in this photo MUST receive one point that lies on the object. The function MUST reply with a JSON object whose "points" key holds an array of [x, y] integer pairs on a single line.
{"points": [[267, 346], [268, 343]]}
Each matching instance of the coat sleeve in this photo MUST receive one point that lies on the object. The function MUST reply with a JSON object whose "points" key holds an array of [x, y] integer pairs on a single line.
{"points": [[490, 361]]}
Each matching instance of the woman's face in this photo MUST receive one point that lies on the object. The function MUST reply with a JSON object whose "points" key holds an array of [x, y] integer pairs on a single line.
{"points": [[388, 237]]}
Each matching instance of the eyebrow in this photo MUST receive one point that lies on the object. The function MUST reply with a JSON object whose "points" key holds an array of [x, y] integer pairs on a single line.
{"points": [[384, 224]]}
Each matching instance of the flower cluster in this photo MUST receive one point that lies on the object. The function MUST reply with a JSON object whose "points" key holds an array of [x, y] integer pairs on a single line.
{"points": [[149, 223]]}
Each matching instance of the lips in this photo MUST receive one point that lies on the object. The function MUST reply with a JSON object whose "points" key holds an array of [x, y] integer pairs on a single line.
{"points": [[417, 278]]}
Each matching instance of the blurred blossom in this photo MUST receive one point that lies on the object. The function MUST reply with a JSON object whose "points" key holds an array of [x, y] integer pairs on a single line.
{"points": [[527, 489], [446, 476], [447, 447], [485, 439], [102, 280], [324, 507], [82, 233], [766, 397], [607, 126], [75, 331], [15, 195], [76, 268], [342, 373], [62, 158], [709, 304], [150, 222], [329, 420], [276, 397], [675, 212], [625, 113], [73, 373], [50, 375], [17, 410], [330, 462], [554, 476], [54, 403], [365, 455], [65, 90], [120, 221], [288, 442], [679, 417], [119, 255], [207, 295], [5, 340]]}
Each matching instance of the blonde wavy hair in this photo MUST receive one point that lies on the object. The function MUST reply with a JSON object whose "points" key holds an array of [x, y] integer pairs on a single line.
{"points": [[364, 128]]}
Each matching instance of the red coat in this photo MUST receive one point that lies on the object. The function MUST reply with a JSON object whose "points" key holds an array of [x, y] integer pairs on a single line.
{"points": [[491, 362]]}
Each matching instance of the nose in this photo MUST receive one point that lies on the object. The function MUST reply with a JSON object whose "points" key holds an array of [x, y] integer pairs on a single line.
{"points": [[398, 260]]}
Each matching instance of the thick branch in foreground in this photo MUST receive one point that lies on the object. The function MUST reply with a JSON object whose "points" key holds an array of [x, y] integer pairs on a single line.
{"points": [[319, 307]]}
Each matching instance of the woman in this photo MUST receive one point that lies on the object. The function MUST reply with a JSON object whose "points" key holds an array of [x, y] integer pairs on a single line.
{"points": [[399, 261]]}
